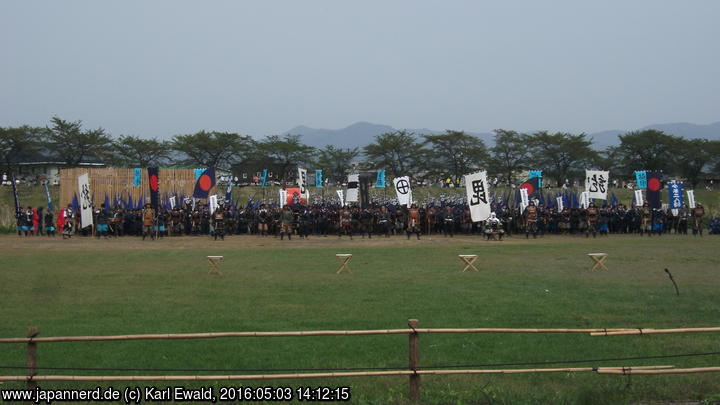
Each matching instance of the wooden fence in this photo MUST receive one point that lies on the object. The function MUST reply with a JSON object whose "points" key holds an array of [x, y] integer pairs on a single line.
{"points": [[414, 370], [120, 182]]}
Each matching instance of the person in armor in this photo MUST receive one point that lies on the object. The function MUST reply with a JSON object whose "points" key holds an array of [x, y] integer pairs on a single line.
{"points": [[49, 224], [493, 227], [67, 228], [26, 221], [591, 216], [531, 217], [658, 221], [448, 221], [604, 221], [263, 219], [161, 222], [148, 219], [413, 221], [305, 223], [116, 222], [286, 222], [698, 213], [366, 223], [683, 217], [101, 219], [385, 221], [345, 222], [218, 223], [645, 220]]}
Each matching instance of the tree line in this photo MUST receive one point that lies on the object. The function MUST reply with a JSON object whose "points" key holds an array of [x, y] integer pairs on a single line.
{"points": [[562, 156]]}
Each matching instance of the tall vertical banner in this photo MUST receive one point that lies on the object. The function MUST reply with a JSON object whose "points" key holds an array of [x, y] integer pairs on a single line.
{"points": [[352, 188], [283, 197], [153, 174], [380, 179], [638, 198], [524, 199], [302, 181], [172, 202], [675, 191], [641, 179], [213, 203], [476, 189], [560, 204], [536, 173], [653, 189], [47, 195], [137, 175], [16, 196], [596, 183], [318, 178], [584, 199], [691, 198], [341, 197], [402, 189], [86, 212]]}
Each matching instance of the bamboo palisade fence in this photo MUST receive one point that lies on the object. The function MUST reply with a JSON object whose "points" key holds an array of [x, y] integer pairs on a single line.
{"points": [[414, 371]]}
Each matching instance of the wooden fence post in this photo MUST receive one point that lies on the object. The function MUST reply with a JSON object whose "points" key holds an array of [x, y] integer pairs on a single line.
{"points": [[32, 358], [414, 358]]}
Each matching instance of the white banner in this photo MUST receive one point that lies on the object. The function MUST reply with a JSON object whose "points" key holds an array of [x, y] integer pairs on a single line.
{"points": [[213, 203], [596, 183], [172, 202], [86, 211], [352, 188], [524, 201], [691, 198], [302, 181], [342, 198], [283, 197], [476, 188], [560, 205], [584, 199], [638, 198], [402, 189]]}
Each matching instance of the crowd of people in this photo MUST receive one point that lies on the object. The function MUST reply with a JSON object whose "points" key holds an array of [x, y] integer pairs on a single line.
{"points": [[375, 220]]}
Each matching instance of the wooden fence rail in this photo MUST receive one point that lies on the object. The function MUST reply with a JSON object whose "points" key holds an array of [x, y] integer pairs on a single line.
{"points": [[414, 371]]}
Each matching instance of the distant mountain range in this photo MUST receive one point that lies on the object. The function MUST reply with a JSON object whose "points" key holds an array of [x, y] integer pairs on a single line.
{"points": [[360, 134]]}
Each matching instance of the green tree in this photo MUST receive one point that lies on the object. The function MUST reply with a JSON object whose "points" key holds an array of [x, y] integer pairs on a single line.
{"points": [[396, 152], [72, 144], [509, 155], [561, 155], [693, 157], [285, 152], [454, 153], [213, 149], [336, 162], [133, 151], [19, 143], [648, 149]]}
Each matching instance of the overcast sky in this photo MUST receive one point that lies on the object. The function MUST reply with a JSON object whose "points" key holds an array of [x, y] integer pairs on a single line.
{"points": [[161, 68]]}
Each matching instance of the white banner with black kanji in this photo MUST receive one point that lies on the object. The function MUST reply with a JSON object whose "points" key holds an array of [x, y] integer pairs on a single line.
{"points": [[596, 183], [476, 188], [86, 209]]}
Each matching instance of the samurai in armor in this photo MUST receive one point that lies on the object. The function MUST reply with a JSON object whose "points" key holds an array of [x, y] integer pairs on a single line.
{"points": [[413, 221], [286, 222], [493, 227], [384, 221], [531, 217], [218, 223], [148, 219], [591, 216], [645, 220], [449, 221], [698, 213]]}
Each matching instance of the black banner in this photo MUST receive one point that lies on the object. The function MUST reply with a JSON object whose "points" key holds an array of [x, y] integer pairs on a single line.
{"points": [[365, 184], [17, 202], [654, 187], [153, 180]]}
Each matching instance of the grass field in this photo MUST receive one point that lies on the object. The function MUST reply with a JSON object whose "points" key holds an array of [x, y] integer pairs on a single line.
{"points": [[103, 287]]}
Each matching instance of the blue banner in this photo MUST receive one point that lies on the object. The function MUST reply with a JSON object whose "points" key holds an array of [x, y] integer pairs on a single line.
{"points": [[47, 195], [264, 177], [136, 179], [675, 190], [641, 179], [538, 174], [380, 181], [318, 178], [198, 173]]}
